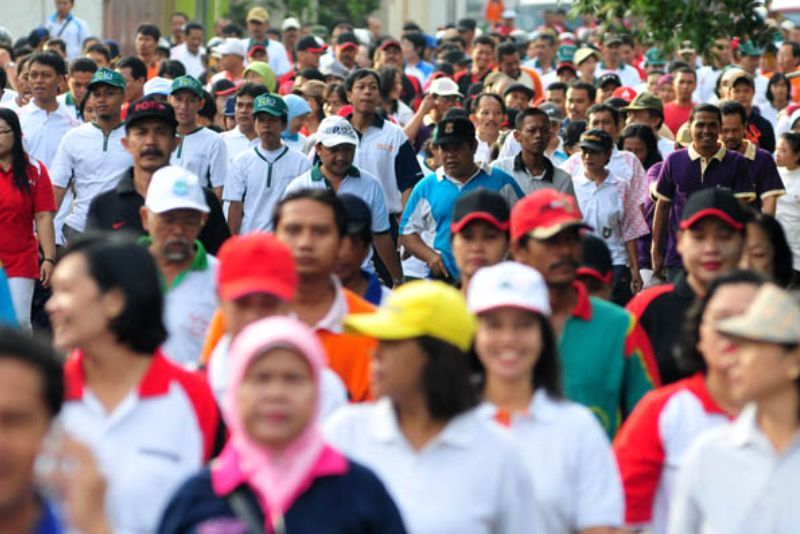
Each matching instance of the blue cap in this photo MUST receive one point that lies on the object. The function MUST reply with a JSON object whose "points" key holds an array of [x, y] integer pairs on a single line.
{"points": [[230, 107]]}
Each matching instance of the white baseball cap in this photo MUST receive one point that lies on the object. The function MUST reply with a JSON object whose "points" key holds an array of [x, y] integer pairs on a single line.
{"points": [[158, 86], [173, 188], [508, 284], [335, 130], [290, 23], [444, 87], [231, 45]]}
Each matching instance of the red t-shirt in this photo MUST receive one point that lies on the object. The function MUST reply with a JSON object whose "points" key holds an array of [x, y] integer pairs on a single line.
{"points": [[676, 116], [18, 247]]}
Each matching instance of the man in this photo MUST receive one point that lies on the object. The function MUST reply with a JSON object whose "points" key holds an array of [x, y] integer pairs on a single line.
{"points": [[607, 363], [173, 214], [134, 71], [648, 109], [612, 62], [290, 33], [336, 143], [244, 135], [466, 28], [580, 97], [90, 156], [531, 168], [309, 51], [178, 31], [750, 60], [767, 181], [482, 57], [705, 164], [556, 93], [429, 209], [313, 222], [607, 83], [518, 96], [150, 129], [789, 62], [345, 49], [708, 75], [231, 53], [78, 78], [258, 177], [64, 25], [738, 85], [413, 45], [508, 62], [676, 113], [146, 44], [542, 53], [200, 149], [56, 45], [390, 54], [257, 26], [710, 240], [191, 52], [442, 96]]}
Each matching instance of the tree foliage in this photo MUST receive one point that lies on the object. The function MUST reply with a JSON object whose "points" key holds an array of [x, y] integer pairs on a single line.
{"points": [[328, 12]]}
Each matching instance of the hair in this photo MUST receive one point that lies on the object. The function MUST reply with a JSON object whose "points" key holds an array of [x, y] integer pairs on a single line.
{"points": [[189, 26], [99, 49], [387, 78], [687, 355], [557, 86], [546, 36], [58, 43], [137, 66], [443, 68], [484, 40], [117, 263], [705, 108], [233, 29], [338, 89], [180, 14], [359, 74], [19, 159], [506, 49], [209, 109], [170, 68], [793, 138], [418, 40], [17, 346], [782, 261], [685, 70], [446, 379], [497, 98], [323, 196], [149, 30], [3, 78], [251, 89], [794, 46], [82, 64], [605, 108], [50, 59], [580, 85], [645, 133], [732, 107], [529, 112], [776, 79]]}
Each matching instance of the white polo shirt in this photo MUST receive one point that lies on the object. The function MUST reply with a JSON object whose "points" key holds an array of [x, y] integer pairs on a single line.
{"points": [[788, 212], [236, 143], [191, 62], [469, 479], [258, 178], [42, 131], [189, 305], [734, 481], [203, 152], [159, 435], [569, 459], [91, 161]]}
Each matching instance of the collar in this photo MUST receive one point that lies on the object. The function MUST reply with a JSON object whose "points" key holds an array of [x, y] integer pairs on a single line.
{"points": [[69, 99], [750, 151], [317, 176], [697, 385], [745, 428], [541, 408], [155, 382], [440, 176], [181, 136], [374, 293], [125, 184], [683, 289], [31, 107], [519, 165], [49, 519], [583, 307], [334, 320], [377, 120], [458, 432], [694, 155], [199, 263]]}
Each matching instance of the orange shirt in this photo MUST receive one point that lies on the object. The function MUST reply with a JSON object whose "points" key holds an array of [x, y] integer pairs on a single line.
{"points": [[494, 11]]}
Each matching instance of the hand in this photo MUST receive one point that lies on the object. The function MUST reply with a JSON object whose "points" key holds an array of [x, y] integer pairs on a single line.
{"points": [[427, 104], [636, 281], [436, 265], [658, 261], [45, 273]]}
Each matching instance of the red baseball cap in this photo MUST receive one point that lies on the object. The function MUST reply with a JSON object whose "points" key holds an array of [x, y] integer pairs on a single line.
{"points": [[544, 213], [256, 263], [625, 93]]}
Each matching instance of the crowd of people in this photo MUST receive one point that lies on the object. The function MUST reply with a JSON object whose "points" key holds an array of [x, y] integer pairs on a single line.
{"points": [[290, 278]]}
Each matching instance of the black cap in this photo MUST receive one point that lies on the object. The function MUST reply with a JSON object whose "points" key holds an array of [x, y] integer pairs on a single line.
{"points": [[481, 205], [359, 217], [521, 87], [223, 87], [596, 259], [454, 130], [150, 108], [714, 202], [609, 77], [310, 43], [347, 38], [596, 140]]}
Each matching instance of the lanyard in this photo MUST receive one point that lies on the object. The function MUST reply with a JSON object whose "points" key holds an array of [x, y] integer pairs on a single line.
{"points": [[271, 163]]}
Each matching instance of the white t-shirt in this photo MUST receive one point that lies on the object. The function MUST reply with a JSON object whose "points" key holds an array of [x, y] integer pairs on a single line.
{"points": [[258, 178], [71, 29], [193, 63], [42, 131], [788, 211], [92, 162], [203, 152]]}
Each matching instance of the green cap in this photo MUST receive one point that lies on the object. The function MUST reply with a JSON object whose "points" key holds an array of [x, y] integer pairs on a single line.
{"points": [[565, 53], [749, 48], [646, 100], [188, 83], [272, 104], [654, 58], [108, 77]]}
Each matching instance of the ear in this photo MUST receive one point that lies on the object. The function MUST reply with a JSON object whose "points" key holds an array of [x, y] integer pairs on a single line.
{"points": [[114, 303], [515, 133], [143, 215], [125, 143]]}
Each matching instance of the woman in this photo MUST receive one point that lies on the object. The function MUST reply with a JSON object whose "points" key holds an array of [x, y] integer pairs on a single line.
{"points": [[314, 92], [391, 90], [779, 90], [149, 423], [766, 250], [640, 139], [335, 99], [260, 72], [652, 443], [787, 211], [298, 112], [26, 202], [276, 463], [447, 468], [564, 448], [743, 477]]}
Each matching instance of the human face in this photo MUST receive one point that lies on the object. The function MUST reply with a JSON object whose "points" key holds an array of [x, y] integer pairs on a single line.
{"points": [[786, 61], [479, 244], [78, 83], [652, 81], [24, 421], [309, 229], [393, 57], [710, 248], [587, 68], [732, 133], [231, 62], [517, 100], [257, 29], [409, 51], [705, 131], [534, 135], [666, 93], [269, 129], [743, 93], [6, 139], [107, 101], [721, 52], [244, 111], [346, 54], [685, 85], [442, 104], [642, 116], [786, 157], [145, 45], [332, 104], [545, 52], [509, 342], [194, 39], [482, 56], [759, 254], [604, 121], [337, 159], [187, 105], [558, 98], [240, 312], [63, 7], [78, 311], [458, 159], [627, 53], [150, 143], [176, 25], [98, 58], [594, 161], [490, 116], [557, 258], [308, 60], [612, 55], [510, 65], [134, 88], [750, 63], [780, 93], [397, 368], [578, 104], [351, 256], [762, 370], [43, 81], [173, 233], [364, 95], [277, 398]]}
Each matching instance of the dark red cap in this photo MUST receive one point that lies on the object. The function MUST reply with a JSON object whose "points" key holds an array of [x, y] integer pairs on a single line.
{"points": [[544, 213], [480, 205], [714, 202], [256, 263]]}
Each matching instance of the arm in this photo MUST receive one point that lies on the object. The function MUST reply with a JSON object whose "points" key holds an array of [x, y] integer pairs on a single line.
{"points": [[659, 226], [387, 252], [768, 204], [633, 259], [413, 243], [59, 193], [235, 211], [412, 128], [218, 192], [406, 170], [46, 234]]}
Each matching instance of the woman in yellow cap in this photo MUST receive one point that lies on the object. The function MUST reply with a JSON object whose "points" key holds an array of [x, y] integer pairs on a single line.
{"points": [[447, 468]]}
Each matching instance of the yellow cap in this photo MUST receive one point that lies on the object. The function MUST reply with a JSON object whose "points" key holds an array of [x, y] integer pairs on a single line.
{"points": [[420, 308], [259, 14]]}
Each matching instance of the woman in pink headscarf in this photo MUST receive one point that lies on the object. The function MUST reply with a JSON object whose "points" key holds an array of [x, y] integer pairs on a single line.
{"points": [[277, 473]]}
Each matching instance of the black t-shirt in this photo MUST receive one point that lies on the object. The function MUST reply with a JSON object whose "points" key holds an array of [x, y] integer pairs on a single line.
{"points": [[759, 131]]}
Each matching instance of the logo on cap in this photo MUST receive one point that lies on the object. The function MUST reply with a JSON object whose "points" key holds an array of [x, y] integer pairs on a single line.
{"points": [[180, 188], [148, 105], [448, 129]]}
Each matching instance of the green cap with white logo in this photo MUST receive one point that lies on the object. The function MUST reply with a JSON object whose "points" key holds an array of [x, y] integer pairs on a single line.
{"points": [[271, 104], [107, 77], [187, 83]]}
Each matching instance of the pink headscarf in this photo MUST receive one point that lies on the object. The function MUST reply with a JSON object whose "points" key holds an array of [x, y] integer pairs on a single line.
{"points": [[278, 477]]}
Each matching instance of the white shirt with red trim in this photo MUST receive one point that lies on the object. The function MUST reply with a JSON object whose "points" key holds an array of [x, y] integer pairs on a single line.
{"points": [[157, 437], [652, 444]]}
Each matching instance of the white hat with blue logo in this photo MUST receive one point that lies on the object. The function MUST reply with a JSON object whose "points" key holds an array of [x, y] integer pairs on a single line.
{"points": [[174, 188], [336, 130]]}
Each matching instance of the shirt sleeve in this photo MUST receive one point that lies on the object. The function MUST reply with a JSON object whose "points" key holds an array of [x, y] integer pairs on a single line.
{"points": [[641, 371], [633, 223], [406, 167], [769, 183], [61, 168], [279, 60], [43, 198], [638, 182], [665, 185], [743, 185], [235, 182], [216, 230], [218, 166], [377, 205], [416, 214]]}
